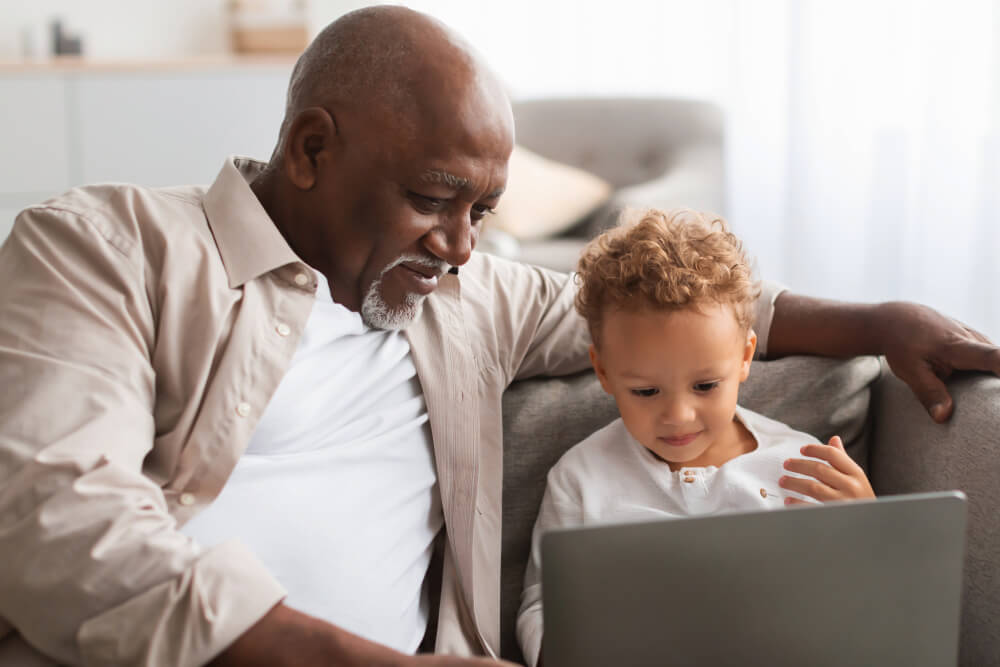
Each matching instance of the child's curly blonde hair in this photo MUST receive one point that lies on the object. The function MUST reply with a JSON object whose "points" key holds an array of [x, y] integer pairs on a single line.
{"points": [[666, 260]]}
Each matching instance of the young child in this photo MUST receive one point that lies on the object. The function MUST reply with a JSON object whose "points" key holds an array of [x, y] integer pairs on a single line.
{"points": [[669, 300]]}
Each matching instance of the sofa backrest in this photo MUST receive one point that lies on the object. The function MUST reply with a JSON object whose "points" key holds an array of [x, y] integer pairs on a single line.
{"points": [[623, 140]]}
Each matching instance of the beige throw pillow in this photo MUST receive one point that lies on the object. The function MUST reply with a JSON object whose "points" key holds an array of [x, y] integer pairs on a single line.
{"points": [[544, 197]]}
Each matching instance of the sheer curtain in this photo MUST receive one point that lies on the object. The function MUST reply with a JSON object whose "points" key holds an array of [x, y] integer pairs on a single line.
{"points": [[864, 144], [863, 147]]}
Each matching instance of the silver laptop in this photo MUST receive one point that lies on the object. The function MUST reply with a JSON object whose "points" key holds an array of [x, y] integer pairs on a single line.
{"points": [[849, 584]]}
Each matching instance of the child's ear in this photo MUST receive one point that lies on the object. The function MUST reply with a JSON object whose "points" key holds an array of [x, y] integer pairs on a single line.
{"points": [[748, 349], [602, 375]]}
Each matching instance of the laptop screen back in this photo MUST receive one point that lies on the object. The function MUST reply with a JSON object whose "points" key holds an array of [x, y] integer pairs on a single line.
{"points": [[861, 583]]}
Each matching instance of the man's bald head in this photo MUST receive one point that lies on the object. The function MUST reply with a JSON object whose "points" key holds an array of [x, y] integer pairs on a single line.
{"points": [[395, 65], [393, 151]]}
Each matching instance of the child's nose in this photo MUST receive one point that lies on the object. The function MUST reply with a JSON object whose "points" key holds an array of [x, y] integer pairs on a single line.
{"points": [[676, 411]]}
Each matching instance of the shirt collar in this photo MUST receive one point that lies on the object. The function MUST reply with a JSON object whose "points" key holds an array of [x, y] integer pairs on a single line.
{"points": [[249, 243]]}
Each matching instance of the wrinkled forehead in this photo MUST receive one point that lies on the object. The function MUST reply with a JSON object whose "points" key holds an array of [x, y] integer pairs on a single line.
{"points": [[460, 140], [473, 113]]}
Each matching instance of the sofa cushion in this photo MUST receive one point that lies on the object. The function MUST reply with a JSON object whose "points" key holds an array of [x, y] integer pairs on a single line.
{"points": [[544, 417], [545, 197]]}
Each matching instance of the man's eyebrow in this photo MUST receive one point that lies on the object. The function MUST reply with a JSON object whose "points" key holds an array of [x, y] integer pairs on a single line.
{"points": [[454, 182], [451, 180]]}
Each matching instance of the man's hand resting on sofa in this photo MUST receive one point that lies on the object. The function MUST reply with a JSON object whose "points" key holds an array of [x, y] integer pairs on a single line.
{"points": [[922, 346]]}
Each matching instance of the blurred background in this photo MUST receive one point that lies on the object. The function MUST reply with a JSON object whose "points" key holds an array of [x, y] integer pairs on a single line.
{"points": [[858, 142]]}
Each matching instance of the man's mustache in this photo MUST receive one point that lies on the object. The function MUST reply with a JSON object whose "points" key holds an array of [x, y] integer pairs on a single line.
{"points": [[436, 266]]}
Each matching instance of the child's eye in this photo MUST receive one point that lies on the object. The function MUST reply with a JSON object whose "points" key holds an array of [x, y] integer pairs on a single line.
{"points": [[704, 387], [645, 393]]}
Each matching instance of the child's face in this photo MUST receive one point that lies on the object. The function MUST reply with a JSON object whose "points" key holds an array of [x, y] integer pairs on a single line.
{"points": [[675, 377]]}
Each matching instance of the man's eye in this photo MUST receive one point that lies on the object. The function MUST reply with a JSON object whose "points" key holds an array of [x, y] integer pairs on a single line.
{"points": [[704, 387], [480, 211], [427, 204], [645, 393]]}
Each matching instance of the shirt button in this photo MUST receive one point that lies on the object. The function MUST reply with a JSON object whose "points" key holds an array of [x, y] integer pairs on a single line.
{"points": [[301, 279], [763, 493], [689, 479], [243, 409], [187, 499], [283, 329]]}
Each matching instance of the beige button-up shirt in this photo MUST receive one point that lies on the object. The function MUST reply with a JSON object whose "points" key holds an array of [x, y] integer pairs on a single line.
{"points": [[142, 333]]}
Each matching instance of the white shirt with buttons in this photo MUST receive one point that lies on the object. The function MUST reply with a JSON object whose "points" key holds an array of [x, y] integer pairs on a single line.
{"points": [[337, 491], [611, 478]]}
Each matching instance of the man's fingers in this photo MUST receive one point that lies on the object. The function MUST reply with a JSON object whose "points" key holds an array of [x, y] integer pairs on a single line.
{"points": [[931, 391], [978, 336], [973, 356], [972, 332]]}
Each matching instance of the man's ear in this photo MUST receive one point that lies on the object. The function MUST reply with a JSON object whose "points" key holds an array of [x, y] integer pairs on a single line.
{"points": [[307, 143], [602, 375], [748, 349]]}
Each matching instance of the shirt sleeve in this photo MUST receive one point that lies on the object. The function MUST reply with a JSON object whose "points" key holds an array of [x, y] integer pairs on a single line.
{"points": [[94, 570], [769, 293], [560, 508], [539, 332]]}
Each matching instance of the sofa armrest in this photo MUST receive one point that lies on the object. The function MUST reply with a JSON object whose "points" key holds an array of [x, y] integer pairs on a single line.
{"points": [[909, 453]]}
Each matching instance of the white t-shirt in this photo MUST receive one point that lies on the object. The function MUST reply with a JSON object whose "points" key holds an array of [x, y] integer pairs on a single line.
{"points": [[337, 491], [611, 478]]}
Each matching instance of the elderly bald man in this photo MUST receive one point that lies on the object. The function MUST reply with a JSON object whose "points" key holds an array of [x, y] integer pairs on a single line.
{"points": [[237, 420]]}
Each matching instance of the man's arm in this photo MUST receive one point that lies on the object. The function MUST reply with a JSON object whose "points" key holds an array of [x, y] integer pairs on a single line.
{"points": [[285, 637], [530, 309], [94, 570], [922, 347]]}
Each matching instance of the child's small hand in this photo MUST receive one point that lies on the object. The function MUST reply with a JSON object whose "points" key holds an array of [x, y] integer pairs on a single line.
{"points": [[835, 477]]}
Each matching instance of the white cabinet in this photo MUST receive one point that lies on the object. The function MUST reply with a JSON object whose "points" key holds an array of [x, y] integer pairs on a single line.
{"points": [[34, 134], [156, 125], [171, 129]]}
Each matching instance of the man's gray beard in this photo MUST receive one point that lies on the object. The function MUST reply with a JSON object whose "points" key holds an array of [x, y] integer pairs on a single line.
{"points": [[377, 314]]}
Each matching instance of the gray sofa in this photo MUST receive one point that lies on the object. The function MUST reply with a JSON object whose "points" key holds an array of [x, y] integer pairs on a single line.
{"points": [[656, 152], [881, 422]]}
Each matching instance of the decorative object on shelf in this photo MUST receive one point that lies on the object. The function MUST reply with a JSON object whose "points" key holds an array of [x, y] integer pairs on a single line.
{"points": [[268, 26], [64, 43]]}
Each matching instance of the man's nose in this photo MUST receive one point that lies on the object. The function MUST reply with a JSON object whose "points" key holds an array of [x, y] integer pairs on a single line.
{"points": [[454, 239]]}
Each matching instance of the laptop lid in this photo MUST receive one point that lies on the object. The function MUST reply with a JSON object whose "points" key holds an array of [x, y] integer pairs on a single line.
{"points": [[857, 583]]}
